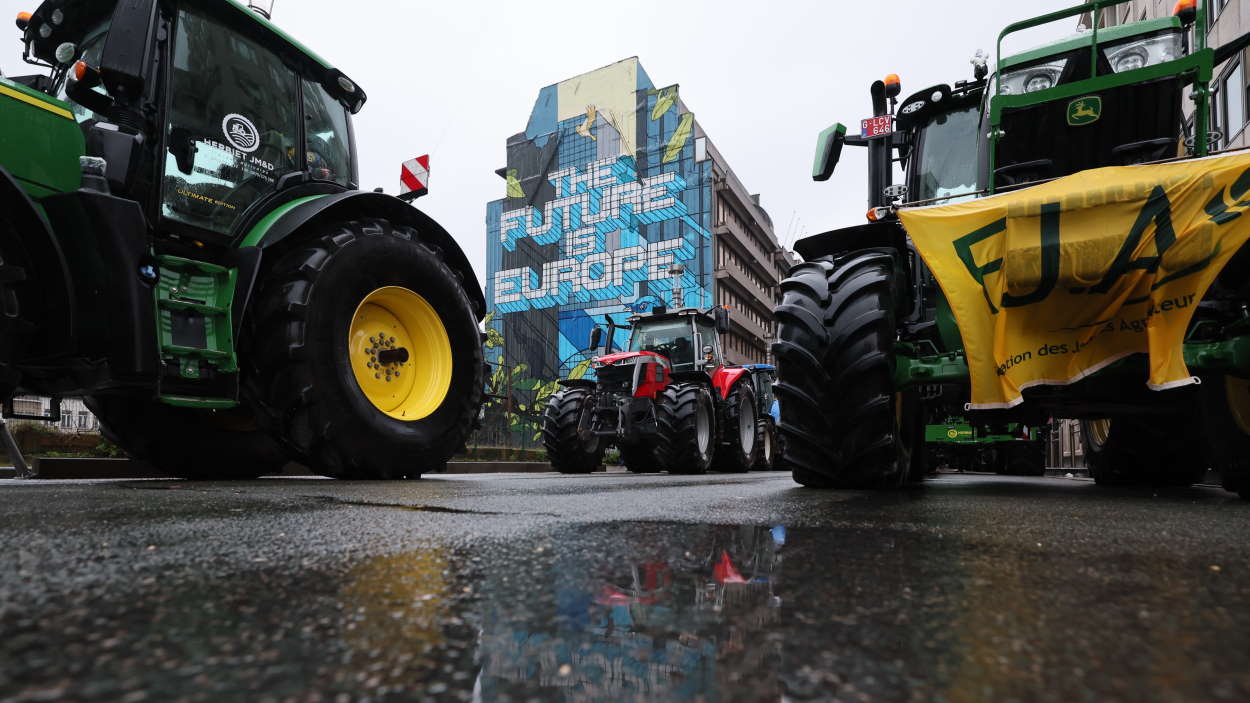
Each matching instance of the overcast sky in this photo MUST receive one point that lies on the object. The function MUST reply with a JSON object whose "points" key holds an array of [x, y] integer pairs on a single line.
{"points": [[456, 79]]}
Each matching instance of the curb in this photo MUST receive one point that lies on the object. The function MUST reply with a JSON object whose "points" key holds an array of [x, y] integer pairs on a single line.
{"points": [[73, 468], [495, 467], [1080, 472]]}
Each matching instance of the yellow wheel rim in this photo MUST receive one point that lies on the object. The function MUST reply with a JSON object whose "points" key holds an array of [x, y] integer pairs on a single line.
{"points": [[1237, 390], [1100, 430], [400, 353]]}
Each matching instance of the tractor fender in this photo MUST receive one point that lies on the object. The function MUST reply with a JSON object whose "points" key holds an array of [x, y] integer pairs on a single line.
{"points": [[34, 259], [885, 233], [576, 383], [724, 379], [294, 217]]}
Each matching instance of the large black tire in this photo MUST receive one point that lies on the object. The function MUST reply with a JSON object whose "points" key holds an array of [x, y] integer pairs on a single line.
{"points": [[568, 451], [1226, 431], [651, 454], [738, 448], [687, 417], [766, 458], [1023, 458], [187, 443], [841, 423], [919, 466], [35, 296], [1105, 462], [643, 457], [1142, 450], [299, 374]]}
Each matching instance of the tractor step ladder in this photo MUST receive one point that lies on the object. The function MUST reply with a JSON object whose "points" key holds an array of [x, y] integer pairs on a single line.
{"points": [[194, 323]]}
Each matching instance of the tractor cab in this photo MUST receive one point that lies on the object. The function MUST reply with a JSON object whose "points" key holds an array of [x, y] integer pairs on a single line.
{"points": [[204, 112], [688, 339], [685, 341]]}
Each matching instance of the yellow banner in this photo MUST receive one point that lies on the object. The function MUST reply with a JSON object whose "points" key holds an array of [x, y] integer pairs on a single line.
{"points": [[1052, 283]]}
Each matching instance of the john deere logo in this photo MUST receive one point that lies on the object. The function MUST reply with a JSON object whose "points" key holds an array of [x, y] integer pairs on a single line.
{"points": [[1083, 111], [240, 132]]}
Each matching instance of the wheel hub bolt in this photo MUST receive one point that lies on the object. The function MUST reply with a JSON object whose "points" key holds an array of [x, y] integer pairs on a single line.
{"points": [[393, 356]]}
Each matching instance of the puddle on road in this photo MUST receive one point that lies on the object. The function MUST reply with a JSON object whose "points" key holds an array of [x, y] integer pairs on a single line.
{"points": [[661, 611], [691, 623], [646, 612]]}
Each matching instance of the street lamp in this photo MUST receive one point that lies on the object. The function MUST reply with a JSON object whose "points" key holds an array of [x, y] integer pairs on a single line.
{"points": [[677, 271]]}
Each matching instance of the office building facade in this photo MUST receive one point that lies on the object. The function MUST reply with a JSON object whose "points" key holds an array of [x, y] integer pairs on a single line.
{"points": [[616, 202]]}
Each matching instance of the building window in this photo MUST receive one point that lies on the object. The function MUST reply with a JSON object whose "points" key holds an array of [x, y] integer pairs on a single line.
{"points": [[1214, 8], [27, 406], [1233, 102]]}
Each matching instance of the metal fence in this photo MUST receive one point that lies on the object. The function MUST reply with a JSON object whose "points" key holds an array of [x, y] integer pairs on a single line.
{"points": [[1063, 446], [511, 416]]}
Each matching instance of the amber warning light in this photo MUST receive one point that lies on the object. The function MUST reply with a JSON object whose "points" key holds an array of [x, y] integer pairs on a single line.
{"points": [[893, 85], [1186, 10], [23, 20]]}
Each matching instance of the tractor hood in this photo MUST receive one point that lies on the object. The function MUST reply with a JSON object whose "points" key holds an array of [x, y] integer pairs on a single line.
{"points": [[629, 357]]}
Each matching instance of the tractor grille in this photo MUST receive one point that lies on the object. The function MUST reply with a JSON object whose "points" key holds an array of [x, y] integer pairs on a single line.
{"points": [[1138, 123], [616, 379]]}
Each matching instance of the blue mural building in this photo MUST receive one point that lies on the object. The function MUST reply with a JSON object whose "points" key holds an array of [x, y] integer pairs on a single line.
{"points": [[614, 200]]}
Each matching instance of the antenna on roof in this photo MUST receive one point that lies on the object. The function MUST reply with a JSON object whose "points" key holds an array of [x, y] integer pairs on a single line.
{"points": [[264, 8]]}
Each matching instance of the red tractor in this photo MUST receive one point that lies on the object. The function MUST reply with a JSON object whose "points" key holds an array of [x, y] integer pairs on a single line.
{"points": [[668, 403]]}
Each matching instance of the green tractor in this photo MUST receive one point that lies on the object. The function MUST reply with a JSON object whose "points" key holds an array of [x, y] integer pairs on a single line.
{"points": [[1013, 449], [184, 243], [878, 331]]}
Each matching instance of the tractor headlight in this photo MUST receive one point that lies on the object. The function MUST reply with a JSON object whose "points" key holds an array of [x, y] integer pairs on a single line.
{"points": [[65, 53], [1144, 52], [1032, 79]]}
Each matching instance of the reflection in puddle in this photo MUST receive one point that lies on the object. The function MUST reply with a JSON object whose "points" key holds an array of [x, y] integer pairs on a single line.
{"points": [[650, 611], [645, 626]]}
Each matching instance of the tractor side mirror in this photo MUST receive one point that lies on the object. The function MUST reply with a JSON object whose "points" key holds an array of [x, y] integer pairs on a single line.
{"points": [[127, 49], [596, 336], [706, 359], [183, 148], [722, 320], [828, 151]]}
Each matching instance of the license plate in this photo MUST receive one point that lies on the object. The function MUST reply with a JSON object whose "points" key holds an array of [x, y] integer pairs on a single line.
{"points": [[876, 126]]}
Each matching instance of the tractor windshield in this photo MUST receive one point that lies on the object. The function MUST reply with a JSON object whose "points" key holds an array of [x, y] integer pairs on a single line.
{"points": [[233, 124], [329, 149], [673, 340], [946, 162]]}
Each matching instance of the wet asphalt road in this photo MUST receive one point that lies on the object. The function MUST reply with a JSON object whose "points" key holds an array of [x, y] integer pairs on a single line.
{"points": [[621, 588]]}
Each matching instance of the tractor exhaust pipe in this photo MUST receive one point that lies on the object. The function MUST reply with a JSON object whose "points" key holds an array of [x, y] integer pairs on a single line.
{"points": [[880, 164]]}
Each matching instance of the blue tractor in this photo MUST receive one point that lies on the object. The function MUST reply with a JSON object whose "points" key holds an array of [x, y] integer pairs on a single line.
{"points": [[764, 376]]}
